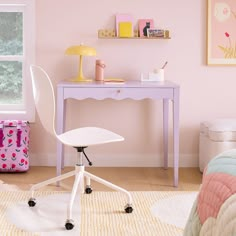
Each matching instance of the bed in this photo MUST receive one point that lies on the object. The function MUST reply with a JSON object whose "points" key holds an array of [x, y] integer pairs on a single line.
{"points": [[214, 210]]}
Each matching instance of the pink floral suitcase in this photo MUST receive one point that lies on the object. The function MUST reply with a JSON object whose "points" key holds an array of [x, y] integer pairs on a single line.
{"points": [[14, 145]]}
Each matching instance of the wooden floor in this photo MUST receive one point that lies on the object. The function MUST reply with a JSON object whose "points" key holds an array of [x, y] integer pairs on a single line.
{"points": [[130, 178]]}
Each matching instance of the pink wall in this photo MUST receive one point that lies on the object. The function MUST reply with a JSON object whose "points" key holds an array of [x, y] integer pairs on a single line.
{"points": [[206, 92]]}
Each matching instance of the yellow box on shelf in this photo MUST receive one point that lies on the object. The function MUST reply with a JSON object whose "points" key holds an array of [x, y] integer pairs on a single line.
{"points": [[125, 30]]}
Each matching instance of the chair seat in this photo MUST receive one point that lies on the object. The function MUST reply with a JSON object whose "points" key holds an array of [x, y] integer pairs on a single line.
{"points": [[87, 136]]}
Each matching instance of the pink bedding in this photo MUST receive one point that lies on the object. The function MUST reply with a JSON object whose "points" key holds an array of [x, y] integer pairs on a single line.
{"points": [[214, 210]]}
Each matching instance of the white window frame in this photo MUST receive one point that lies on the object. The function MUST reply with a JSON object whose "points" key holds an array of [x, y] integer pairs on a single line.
{"points": [[27, 110]]}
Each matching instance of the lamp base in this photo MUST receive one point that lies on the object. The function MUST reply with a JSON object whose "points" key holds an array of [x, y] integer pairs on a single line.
{"points": [[81, 80]]}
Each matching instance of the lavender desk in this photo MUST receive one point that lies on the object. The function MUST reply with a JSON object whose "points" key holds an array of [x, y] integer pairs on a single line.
{"points": [[136, 90]]}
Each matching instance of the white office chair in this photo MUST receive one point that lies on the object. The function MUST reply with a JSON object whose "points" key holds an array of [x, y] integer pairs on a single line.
{"points": [[79, 138]]}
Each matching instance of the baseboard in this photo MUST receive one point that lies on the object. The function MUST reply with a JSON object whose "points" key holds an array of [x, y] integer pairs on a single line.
{"points": [[124, 160]]}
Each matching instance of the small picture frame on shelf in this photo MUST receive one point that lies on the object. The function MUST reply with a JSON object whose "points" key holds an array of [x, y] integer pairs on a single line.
{"points": [[143, 25], [155, 33]]}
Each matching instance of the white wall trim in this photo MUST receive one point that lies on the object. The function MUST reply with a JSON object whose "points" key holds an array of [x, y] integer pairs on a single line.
{"points": [[124, 160]]}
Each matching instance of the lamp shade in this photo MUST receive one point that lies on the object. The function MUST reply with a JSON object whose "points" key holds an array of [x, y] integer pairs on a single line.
{"points": [[81, 50]]}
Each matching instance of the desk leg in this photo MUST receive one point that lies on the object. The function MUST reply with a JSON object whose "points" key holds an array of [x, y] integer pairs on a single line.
{"points": [[176, 135], [60, 129], [165, 131]]}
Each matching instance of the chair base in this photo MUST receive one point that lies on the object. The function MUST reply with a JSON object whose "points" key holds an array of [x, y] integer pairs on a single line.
{"points": [[80, 174]]}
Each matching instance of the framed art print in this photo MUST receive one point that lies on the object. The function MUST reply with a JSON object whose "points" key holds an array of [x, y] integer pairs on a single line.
{"points": [[143, 25], [155, 33], [221, 32]]}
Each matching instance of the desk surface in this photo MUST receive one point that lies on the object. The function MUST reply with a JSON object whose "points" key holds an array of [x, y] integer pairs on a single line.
{"points": [[126, 84]]}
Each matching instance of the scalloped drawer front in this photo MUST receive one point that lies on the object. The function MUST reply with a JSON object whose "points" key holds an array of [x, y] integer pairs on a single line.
{"points": [[118, 93]]}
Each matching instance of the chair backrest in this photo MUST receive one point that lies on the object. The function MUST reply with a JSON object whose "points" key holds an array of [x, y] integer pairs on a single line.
{"points": [[44, 98]]}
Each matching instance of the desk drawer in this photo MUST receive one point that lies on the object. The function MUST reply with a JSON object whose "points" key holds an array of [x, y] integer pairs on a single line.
{"points": [[118, 93]]}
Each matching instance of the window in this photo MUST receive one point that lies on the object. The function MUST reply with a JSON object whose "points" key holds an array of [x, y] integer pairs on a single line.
{"points": [[16, 54]]}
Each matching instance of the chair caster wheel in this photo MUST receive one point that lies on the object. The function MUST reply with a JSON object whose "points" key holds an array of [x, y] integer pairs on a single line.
{"points": [[32, 202], [128, 208], [69, 224], [88, 190]]}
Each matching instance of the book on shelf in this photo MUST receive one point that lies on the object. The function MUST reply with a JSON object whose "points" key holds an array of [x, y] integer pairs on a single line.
{"points": [[124, 25], [125, 30]]}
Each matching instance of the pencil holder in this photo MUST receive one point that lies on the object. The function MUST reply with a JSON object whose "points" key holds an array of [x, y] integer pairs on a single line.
{"points": [[157, 75]]}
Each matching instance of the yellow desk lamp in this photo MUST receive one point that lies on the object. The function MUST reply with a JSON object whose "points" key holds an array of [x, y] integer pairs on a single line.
{"points": [[81, 50]]}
